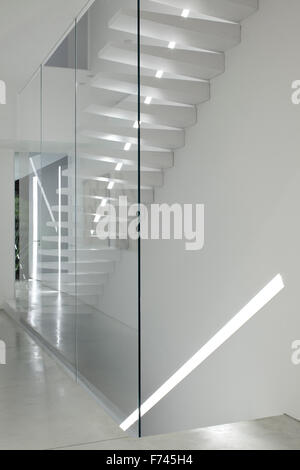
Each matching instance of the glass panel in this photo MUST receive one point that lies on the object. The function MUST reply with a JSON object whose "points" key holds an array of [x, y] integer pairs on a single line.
{"points": [[45, 198], [221, 322], [27, 199], [107, 169], [57, 323], [78, 289]]}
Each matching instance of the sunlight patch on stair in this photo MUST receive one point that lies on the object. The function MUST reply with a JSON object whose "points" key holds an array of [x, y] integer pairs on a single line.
{"points": [[185, 13]]}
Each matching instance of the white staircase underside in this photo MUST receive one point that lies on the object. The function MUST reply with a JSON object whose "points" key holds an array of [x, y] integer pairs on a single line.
{"points": [[121, 130], [150, 160], [182, 62], [179, 56], [169, 115], [203, 34], [183, 91]]}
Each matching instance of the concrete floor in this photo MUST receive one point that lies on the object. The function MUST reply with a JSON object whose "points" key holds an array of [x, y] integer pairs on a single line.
{"points": [[95, 344], [42, 408]]}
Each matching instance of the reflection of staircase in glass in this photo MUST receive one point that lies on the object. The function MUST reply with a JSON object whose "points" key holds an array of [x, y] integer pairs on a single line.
{"points": [[183, 45]]}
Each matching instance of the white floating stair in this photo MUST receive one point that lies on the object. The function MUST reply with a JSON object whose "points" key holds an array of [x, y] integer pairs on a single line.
{"points": [[71, 239], [124, 179], [91, 266], [183, 62], [78, 288], [55, 238], [147, 195], [54, 224], [166, 89], [63, 209], [171, 115], [149, 160], [231, 10], [197, 32], [81, 277], [65, 191], [85, 254], [82, 273], [122, 130]]}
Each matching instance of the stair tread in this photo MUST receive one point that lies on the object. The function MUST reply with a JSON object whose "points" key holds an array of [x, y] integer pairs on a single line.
{"points": [[147, 195], [231, 10], [197, 32], [164, 115], [185, 91], [182, 62], [160, 138], [127, 179], [149, 159]]}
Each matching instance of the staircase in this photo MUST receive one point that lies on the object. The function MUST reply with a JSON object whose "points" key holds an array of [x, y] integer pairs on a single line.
{"points": [[183, 45]]}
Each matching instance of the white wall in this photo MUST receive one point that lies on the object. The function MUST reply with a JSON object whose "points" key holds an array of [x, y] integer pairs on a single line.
{"points": [[28, 30], [8, 120], [242, 161], [8, 112], [7, 225]]}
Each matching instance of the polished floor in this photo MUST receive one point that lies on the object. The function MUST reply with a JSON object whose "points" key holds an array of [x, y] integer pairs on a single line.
{"points": [[102, 349], [41, 407]]}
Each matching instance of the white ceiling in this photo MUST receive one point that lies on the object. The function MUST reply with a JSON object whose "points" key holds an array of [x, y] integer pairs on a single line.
{"points": [[28, 31]]}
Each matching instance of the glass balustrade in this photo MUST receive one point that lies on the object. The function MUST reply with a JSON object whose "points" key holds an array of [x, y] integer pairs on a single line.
{"points": [[76, 289]]}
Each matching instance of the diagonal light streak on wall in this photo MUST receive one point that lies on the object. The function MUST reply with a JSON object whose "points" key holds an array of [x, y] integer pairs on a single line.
{"points": [[237, 322]]}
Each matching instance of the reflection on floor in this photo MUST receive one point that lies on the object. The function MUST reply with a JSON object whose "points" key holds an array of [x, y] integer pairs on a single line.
{"points": [[41, 407], [102, 350]]}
